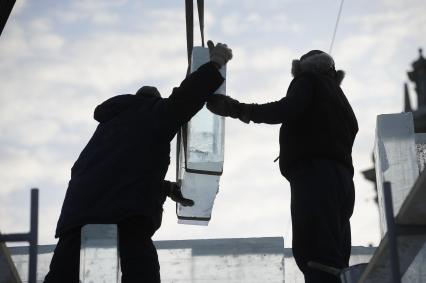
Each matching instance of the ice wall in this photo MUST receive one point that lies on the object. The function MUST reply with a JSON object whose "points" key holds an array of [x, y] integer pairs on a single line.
{"points": [[252, 260], [421, 150]]}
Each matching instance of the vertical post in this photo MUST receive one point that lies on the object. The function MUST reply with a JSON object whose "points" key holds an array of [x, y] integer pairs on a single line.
{"points": [[391, 233], [33, 237]]}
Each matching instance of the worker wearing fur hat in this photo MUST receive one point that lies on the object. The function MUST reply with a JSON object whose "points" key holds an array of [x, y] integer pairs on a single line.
{"points": [[119, 176], [316, 138]]}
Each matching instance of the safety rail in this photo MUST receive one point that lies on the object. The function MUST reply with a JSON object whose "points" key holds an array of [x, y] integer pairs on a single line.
{"points": [[31, 237]]}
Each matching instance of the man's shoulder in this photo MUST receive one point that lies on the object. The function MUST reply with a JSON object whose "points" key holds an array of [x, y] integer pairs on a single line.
{"points": [[305, 77]]}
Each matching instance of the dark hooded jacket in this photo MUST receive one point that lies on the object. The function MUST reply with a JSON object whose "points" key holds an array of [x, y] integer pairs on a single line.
{"points": [[121, 170], [317, 121]]}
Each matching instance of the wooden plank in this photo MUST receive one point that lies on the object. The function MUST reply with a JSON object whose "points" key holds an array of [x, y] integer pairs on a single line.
{"points": [[8, 272], [378, 270], [413, 210], [417, 271]]}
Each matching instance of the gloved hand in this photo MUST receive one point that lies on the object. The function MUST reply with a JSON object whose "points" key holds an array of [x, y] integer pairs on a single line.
{"points": [[224, 105], [219, 54], [173, 191]]}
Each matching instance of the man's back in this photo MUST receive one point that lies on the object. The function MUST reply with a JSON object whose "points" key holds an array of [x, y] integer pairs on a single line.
{"points": [[326, 129], [127, 155]]}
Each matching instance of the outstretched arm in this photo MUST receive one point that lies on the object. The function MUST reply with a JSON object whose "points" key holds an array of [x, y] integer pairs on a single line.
{"points": [[187, 99], [291, 107]]}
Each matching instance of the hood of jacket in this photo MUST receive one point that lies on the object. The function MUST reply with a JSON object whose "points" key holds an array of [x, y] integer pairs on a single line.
{"points": [[113, 106]]}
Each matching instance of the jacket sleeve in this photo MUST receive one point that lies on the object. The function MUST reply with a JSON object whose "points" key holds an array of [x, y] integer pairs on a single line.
{"points": [[166, 187], [292, 107], [187, 99]]}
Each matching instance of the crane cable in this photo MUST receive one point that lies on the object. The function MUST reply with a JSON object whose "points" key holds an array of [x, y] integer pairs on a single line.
{"points": [[335, 27]]}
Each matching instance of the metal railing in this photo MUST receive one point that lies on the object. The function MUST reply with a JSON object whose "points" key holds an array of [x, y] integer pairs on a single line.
{"points": [[31, 237]]}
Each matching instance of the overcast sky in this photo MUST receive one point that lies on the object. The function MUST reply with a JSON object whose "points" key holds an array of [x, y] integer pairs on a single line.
{"points": [[59, 59]]}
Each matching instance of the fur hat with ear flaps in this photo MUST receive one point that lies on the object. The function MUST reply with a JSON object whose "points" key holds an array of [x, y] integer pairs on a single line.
{"points": [[319, 62]]}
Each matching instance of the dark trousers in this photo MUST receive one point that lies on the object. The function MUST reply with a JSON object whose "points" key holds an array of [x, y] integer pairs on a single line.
{"points": [[138, 255], [322, 201]]}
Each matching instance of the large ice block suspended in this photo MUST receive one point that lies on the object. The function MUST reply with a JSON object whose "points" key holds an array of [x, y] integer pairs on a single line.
{"points": [[201, 156]]}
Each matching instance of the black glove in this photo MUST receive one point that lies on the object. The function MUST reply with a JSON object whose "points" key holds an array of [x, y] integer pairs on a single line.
{"points": [[224, 105], [173, 191]]}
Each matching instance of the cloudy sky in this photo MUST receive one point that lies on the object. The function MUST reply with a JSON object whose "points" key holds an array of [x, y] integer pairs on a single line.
{"points": [[59, 59]]}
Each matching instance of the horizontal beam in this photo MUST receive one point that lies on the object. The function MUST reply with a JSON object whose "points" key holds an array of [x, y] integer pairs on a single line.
{"points": [[413, 210], [21, 237]]}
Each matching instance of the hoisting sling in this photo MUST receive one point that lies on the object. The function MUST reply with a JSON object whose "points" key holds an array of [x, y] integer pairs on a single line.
{"points": [[200, 143]]}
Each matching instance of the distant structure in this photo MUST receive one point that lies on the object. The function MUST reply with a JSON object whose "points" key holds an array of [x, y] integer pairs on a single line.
{"points": [[418, 77]]}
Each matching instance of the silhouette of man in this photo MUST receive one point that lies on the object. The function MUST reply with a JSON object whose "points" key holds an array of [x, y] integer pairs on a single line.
{"points": [[119, 175], [316, 138]]}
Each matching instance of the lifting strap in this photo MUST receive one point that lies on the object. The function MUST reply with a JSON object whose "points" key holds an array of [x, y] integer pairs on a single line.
{"points": [[189, 15], [200, 5]]}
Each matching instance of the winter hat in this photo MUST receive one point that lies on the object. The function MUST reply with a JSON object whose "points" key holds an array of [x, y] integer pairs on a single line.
{"points": [[317, 61], [148, 91], [315, 55]]}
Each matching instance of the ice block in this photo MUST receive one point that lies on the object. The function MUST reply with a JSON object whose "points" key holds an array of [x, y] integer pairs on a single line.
{"points": [[201, 162]]}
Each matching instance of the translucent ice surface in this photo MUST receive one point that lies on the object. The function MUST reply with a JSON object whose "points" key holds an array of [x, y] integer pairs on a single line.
{"points": [[205, 130], [202, 189], [98, 254], [200, 169]]}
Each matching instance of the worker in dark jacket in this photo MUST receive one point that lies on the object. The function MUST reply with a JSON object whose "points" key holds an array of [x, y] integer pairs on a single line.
{"points": [[119, 175], [316, 137]]}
